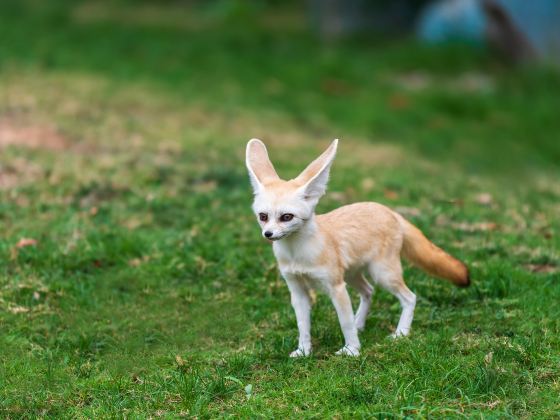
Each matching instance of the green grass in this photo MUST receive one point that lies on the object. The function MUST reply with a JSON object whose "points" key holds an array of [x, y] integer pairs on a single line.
{"points": [[150, 292]]}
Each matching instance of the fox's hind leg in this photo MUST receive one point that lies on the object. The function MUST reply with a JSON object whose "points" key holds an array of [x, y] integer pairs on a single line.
{"points": [[365, 290], [388, 274]]}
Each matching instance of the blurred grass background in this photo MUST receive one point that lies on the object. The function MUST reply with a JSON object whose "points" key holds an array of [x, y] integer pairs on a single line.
{"points": [[134, 281]]}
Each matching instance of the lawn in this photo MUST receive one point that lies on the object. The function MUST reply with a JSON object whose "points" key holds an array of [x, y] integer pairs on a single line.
{"points": [[134, 280]]}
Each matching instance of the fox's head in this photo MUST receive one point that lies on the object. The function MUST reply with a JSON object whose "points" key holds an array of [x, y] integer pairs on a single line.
{"points": [[284, 207]]}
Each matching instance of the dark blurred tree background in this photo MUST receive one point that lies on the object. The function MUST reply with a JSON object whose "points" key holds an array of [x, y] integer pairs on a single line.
{"points": [[337, 17], [520, 31]]}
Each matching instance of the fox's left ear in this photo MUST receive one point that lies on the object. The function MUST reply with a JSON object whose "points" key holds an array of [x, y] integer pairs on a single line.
{"points": [[315, 177]]}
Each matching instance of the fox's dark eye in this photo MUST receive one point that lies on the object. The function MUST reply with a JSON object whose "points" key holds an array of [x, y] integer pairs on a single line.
{"points": [[286, 217], [263, 217]]}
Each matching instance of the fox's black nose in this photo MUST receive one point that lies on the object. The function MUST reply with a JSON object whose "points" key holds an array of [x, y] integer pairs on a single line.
{"points": [[268, 234]]}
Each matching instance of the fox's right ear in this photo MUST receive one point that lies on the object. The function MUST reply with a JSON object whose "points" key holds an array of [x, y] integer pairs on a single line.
{"points": [[260, 168]]}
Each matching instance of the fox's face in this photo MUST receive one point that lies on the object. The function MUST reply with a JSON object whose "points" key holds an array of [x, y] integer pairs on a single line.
{"points": [[283, 207]]}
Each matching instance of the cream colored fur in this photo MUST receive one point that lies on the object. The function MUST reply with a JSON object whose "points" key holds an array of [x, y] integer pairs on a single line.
{"points": [[332, 250]]}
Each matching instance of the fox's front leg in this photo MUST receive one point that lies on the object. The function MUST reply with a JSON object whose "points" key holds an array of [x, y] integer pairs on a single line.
{"points": [[301, 303], [343, 305]]}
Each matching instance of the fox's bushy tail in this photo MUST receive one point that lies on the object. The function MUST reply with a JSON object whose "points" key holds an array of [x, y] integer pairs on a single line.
{"points": [[434, 260]]}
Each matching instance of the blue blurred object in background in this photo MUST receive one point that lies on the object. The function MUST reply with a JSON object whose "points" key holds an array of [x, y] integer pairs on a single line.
{"points": [[452, 20], [540, 22], [534, 23]]}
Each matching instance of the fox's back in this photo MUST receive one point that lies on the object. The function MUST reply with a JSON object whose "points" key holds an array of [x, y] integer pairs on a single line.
{"points": [[362, 231]]}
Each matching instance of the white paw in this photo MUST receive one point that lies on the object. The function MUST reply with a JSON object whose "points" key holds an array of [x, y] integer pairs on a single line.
{"points": [[399, 334], [300, 352], [348, 351]]}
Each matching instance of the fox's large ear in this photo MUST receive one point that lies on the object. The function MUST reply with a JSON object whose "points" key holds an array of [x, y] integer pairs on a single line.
{"points": [[260, 168], [315, 177]]}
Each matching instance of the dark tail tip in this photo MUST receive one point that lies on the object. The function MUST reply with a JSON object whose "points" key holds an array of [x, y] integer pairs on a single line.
{"points": [[467, 282]]}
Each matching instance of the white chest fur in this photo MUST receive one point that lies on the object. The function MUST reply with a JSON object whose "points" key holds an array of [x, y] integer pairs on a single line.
{"points": [[300, 256]]}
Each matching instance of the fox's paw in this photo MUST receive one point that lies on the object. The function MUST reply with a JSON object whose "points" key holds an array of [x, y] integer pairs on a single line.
{"points": [[348, 351], [399, 334], [300, 352]]}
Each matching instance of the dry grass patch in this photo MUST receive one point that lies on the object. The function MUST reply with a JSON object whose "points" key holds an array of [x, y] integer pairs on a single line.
{"points": [[18, 134]]}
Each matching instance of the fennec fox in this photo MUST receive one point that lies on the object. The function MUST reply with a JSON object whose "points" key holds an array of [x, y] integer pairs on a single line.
{"points": [[331, 250]]}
